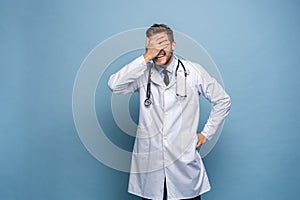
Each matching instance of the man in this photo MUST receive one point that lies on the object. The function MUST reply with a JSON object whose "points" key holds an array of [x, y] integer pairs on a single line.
{"points": [[165, 162]]}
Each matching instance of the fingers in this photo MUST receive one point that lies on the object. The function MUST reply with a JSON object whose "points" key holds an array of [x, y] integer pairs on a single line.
{"points": [[155, 44], [159, 37], [158, 41], [201, 140], [162, 40]]}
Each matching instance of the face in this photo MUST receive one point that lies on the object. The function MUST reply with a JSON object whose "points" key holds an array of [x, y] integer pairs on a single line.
{"points": [[165, 56]]}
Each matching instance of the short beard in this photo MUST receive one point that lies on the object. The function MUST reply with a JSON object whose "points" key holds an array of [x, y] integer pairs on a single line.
{"points": [[168, 60]]}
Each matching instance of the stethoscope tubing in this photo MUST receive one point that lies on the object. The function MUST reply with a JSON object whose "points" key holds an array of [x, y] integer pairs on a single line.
{"points": [[148, 101]]}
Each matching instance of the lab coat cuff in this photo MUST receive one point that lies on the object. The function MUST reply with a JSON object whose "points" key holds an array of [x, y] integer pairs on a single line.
{"points": [[206, 134], [141, 60]]}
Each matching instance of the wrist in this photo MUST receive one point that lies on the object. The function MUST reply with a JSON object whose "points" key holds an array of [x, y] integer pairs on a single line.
{"points": [[147, 57]]}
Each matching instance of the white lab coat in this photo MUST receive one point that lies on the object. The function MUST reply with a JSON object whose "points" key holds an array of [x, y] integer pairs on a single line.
{"points": [[165, 144]]}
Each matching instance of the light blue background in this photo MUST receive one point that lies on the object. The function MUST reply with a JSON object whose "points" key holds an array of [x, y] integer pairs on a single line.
{"points": [[254, 43]]}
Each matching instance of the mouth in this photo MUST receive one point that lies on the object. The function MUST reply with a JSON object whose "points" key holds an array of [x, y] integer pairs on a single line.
{"points": [[161, 54]]}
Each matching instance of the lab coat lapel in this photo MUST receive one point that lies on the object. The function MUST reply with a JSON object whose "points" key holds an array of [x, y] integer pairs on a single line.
{"points": [[156, 77]]}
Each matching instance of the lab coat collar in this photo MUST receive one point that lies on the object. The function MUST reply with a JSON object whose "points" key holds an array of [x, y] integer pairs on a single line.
{"points": [[156, 74], [169, 68]]}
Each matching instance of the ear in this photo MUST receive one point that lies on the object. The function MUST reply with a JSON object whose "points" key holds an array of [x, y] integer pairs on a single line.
{"points": [[173, 46], [147, 41]]}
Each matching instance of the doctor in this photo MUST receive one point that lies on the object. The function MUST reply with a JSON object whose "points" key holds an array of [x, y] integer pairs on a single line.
{"points": [[165, 162]]}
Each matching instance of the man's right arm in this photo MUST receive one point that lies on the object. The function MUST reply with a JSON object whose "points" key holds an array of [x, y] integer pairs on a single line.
{"points": [[125, 80]]}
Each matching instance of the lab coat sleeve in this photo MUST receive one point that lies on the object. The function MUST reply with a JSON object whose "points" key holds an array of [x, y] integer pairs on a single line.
{"points": [[220, 100], [126, 79]]}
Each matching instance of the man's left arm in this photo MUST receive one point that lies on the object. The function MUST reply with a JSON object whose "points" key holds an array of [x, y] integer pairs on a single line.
{"points": [[220, 100]]}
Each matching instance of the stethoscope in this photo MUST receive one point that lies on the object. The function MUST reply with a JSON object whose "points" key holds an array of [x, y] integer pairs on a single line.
{"points": [[148, 101]]}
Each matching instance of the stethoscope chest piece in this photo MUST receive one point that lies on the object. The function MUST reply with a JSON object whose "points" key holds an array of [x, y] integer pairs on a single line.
{"points": [[147, 102]]}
